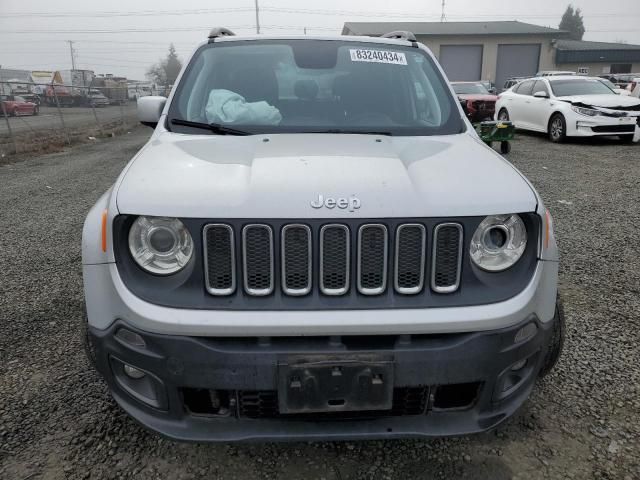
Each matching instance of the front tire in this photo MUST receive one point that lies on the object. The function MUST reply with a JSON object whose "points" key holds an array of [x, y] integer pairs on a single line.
{"points": [[557, 128], [556, 343], [503, 115]]}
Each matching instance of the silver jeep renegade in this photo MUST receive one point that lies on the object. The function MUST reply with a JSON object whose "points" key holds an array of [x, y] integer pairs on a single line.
{"points": [[315, 244]]}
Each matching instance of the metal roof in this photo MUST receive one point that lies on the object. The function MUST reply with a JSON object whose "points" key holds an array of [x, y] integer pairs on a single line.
{"points": [[511, 27], [578, 51], [581, 45]]}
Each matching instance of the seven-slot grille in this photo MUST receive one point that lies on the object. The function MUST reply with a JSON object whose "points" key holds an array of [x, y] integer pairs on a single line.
{"points": [[377, 253]]}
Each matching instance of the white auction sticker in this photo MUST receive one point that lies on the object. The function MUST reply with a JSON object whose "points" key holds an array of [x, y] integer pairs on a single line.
{"points": [[377, 56]]}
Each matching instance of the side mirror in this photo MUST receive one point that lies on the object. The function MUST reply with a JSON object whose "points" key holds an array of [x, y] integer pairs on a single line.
{"points": [[150, 110], [541, 94]]}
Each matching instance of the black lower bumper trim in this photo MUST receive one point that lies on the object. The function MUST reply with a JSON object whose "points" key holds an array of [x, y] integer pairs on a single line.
{"points": [[226, 389]]}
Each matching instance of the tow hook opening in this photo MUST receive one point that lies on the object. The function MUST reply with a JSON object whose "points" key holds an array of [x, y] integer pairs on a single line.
{"points": [[456, 396], [202, 401]]}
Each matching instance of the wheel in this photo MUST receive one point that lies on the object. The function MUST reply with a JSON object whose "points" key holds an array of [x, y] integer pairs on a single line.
{"points": [[625, 138], [505, 147], [503, 115], [554, 349], [557, 128]]}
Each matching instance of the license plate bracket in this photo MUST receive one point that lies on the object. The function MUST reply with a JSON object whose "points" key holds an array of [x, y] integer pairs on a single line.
{"points": [[340, 383]]}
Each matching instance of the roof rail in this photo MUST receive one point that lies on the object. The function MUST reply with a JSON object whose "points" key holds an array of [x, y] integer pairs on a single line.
{"points": [[220, 32], [401, 35]]}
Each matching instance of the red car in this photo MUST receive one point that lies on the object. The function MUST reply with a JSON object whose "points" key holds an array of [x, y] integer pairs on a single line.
{"points": [[477, 102], [15, 105]]}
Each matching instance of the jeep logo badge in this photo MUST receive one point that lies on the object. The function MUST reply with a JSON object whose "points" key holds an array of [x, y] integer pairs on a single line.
{"points": [[352, 203]]}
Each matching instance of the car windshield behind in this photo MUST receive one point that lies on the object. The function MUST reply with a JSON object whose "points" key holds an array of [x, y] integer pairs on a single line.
{"points": [[469, 88], [297, 86], [582, 86], [608, 83]]}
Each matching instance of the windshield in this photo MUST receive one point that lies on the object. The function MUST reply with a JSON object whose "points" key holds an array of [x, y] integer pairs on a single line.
{"points": [[469, 88], [583, 86], [608, 83], [297, 86]]}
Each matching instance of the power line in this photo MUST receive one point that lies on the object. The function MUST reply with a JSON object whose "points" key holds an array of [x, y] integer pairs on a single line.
{"points": [[159, 30], [139, 13]]}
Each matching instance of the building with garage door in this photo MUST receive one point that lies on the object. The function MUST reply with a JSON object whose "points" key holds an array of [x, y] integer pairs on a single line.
{"points": [[597, 58], [471, 51]]}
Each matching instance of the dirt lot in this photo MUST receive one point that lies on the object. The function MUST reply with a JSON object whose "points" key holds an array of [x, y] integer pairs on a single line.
{"points": [[583, 421]]}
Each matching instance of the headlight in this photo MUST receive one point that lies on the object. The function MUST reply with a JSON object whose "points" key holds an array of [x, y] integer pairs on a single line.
{"points": [[498, 242], [160, 245], [590, 112]]}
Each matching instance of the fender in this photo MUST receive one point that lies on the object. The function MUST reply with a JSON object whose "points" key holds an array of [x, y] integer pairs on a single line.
{"points": [[92, 253]]}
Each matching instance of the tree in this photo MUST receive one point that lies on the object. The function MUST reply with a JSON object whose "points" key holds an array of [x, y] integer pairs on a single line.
{"points": [[167, 69], [573, 23]]}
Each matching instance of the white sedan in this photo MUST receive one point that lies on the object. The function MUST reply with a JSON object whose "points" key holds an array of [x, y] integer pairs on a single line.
{"points": [[569, 106]]}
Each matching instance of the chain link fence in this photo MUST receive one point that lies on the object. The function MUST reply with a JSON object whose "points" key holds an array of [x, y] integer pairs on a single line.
{"points": [[40, 117]]}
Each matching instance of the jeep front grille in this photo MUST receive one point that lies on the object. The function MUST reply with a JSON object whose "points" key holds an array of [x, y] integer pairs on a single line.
{"points": [[372, 259], [296, 258], [334, 259], [447, 255], [257, 259], [410, 256], [220, 272]]}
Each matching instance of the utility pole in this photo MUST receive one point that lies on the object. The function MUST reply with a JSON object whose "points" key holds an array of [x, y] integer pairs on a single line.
{"points": [[73, 54], [257, 18], [443, 17]]}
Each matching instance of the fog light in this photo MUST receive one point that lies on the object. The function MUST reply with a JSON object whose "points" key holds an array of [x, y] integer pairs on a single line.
{"points": [[133, 372], [518, 365], [130, 337], [525, 333]]}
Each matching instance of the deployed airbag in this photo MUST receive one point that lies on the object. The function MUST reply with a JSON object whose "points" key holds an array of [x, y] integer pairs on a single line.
{"points": [[227, 107]]}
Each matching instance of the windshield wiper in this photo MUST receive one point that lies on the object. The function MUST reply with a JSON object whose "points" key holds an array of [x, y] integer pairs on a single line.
{"points": [[214, 127], [351, 132]]}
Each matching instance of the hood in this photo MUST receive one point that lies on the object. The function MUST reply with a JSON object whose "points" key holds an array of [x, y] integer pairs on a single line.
{"points": [[604, 101], [477, 96], [279, 176]]}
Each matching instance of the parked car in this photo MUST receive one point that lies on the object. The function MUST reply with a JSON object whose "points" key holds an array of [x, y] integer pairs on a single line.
{"points": [[476, 100], [95, 98], [512, 81], [614, 87], [56, 94], [569, 106], [15, 105], [554, 73], [622, 80], [305, 263], [634, 88], [489, 85]]}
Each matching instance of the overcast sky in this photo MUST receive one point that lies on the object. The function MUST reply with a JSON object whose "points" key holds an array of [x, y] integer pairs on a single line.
{"points": [[124, 37]]}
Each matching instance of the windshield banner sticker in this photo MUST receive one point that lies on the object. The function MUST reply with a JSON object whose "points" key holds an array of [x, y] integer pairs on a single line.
{"points": [[377, 56]]}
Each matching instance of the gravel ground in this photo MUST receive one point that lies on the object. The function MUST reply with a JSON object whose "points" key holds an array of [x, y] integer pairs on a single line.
{"points": [[583, 421]]}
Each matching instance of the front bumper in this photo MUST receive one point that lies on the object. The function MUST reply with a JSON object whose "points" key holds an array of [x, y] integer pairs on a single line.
{"points": [[582, 126], [447, 384]]}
